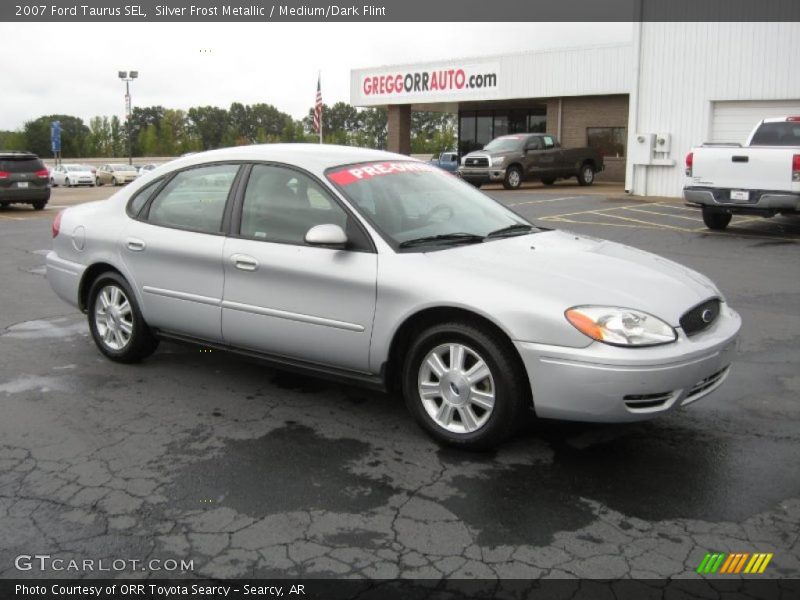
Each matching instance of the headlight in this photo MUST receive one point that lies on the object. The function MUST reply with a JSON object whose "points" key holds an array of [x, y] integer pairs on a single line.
{"points": [[620, 326], [497, 160]]}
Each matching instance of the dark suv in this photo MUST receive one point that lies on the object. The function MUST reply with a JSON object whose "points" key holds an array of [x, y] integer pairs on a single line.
{"points": [[23, 180]]}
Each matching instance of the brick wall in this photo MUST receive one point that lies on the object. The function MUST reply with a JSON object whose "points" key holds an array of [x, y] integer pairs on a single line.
{"points": [[581, 112]]}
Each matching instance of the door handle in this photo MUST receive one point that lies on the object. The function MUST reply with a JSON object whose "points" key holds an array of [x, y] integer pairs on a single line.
{"points": [[244, 262], [135, 245]]}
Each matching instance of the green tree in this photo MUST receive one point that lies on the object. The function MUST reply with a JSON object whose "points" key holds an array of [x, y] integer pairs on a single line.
{"points": [[12, 140], [74, 135], [208, 123], [119, 140]]}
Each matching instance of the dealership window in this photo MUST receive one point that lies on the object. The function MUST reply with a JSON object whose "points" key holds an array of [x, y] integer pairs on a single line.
{"points": [[476, 129], [608, 141], [466, 133], [500, 125], [483, 132], [537, 120]]}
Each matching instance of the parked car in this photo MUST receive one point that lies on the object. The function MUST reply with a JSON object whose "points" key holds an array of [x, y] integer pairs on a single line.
{"points": [[143, 169], [760, 178], [69, 175], [384, 270], [447, 161], [512, 159], [23, 180], [116, 174]]}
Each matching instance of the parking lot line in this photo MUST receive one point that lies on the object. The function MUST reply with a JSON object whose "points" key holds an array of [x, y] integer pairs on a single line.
{"points": [[557, 219], [597, 210], [543, 201], [660, 225], [652, 212]]}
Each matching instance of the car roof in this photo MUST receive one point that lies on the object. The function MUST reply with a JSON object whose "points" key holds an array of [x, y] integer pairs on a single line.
{"points": [[309, 156]]}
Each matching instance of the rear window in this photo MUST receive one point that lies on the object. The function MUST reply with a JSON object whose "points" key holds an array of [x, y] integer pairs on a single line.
{"points": [[23, 164], [785, 133]]}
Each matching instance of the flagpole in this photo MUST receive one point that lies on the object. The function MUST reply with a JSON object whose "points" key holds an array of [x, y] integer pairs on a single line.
{"points": [[319, 82]]}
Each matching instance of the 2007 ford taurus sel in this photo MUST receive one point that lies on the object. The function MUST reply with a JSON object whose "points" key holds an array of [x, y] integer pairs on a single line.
{"points": [[386, 270]]}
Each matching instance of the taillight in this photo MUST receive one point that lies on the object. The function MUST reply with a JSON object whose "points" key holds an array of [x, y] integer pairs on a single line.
{"points": [[793, 119], [57, 224], [689, 163], [4, 174], [796, 167], [43, 173]]}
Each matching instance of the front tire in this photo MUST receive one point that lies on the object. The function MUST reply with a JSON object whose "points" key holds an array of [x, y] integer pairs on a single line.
{"points": [[115, 321], [38, 204], [716, 219], [513, 178], [464, 386], [548, 181], [586, 174], [98, 182], [67, 183], [114, 182]]}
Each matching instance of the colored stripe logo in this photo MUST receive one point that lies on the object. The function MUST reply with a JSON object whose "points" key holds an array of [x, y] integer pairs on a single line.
{"points": [[734, 563]]}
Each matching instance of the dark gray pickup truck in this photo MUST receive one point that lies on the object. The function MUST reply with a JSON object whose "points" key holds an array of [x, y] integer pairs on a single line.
{"points": [[512, 159]]}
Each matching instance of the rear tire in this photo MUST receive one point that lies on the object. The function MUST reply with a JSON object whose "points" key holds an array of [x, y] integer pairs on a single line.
{"points": [[480, 394], [548, 181], [4, 205], [586, 174], [38, 205], [53, 182], [513, 178], [67, 183], [716, 219], [114, 181], [115, 320]]}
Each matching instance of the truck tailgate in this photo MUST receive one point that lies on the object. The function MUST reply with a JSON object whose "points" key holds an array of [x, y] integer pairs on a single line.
{"points": [[748, 168]]}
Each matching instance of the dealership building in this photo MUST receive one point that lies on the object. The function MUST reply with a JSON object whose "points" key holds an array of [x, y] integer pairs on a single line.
{"points": [[642, 104]]}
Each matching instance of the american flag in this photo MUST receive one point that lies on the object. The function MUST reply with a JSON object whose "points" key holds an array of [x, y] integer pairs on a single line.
{"points": [[318, 109]]}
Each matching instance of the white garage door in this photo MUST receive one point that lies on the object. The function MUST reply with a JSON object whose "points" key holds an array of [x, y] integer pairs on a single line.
{"points": [[732, 121]]}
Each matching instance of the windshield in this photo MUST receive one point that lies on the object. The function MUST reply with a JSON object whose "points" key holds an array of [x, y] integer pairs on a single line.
{"points": [[74, 168], [505, 144], [409, 201], [122, 168]]}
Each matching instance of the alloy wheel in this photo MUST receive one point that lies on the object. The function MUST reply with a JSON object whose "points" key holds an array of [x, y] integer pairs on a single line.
{"points": [[113, 317], [456, 388]]}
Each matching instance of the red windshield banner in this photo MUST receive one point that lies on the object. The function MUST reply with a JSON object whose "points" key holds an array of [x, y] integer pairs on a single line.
{"points": [[363, 172]]}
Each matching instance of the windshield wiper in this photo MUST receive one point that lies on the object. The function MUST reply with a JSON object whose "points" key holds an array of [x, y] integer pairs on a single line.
{"points": [[515, 229], [453, 238]]}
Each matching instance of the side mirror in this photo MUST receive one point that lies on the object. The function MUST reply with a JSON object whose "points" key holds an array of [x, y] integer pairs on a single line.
{"points": [[326, 235]]}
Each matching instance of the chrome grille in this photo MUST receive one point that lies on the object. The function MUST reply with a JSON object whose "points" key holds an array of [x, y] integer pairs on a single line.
{"points": [[476, 161]]}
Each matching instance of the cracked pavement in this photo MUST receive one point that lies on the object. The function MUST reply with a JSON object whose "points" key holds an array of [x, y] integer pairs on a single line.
{"points": [[250, 472]]}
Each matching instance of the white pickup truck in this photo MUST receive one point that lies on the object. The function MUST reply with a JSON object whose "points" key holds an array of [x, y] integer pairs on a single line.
{"points": [[762, 177]]}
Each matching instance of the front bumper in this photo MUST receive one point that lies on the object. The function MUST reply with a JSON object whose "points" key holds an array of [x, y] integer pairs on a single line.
{"points": [[482, 174], [760, 200], [603, 383]]}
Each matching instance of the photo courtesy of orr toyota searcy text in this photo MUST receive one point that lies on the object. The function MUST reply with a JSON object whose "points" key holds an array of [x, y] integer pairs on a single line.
{"points": [[446, 79]]}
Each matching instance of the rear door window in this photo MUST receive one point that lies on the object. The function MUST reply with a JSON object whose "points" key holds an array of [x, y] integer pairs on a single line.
{"points": [[194, 199]]}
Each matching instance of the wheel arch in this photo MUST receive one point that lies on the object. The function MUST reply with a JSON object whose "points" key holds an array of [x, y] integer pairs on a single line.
{"points": [[419, 320], [88, 278]]}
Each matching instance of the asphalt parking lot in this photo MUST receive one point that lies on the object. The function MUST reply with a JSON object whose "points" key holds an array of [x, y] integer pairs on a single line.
{"points": [[250, 472]]}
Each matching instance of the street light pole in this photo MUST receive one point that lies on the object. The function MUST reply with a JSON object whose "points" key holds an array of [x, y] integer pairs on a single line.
{"points": [[127, 77]]}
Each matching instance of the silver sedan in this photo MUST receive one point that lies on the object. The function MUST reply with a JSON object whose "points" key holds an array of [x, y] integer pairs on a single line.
{"points": [[380, 269]]}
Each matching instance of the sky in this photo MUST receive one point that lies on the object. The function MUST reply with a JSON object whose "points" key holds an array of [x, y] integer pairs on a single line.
{"points": [[191, 64]]}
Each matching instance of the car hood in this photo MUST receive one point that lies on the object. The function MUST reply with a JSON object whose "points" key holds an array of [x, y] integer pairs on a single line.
{"points": [[570, 270]]}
